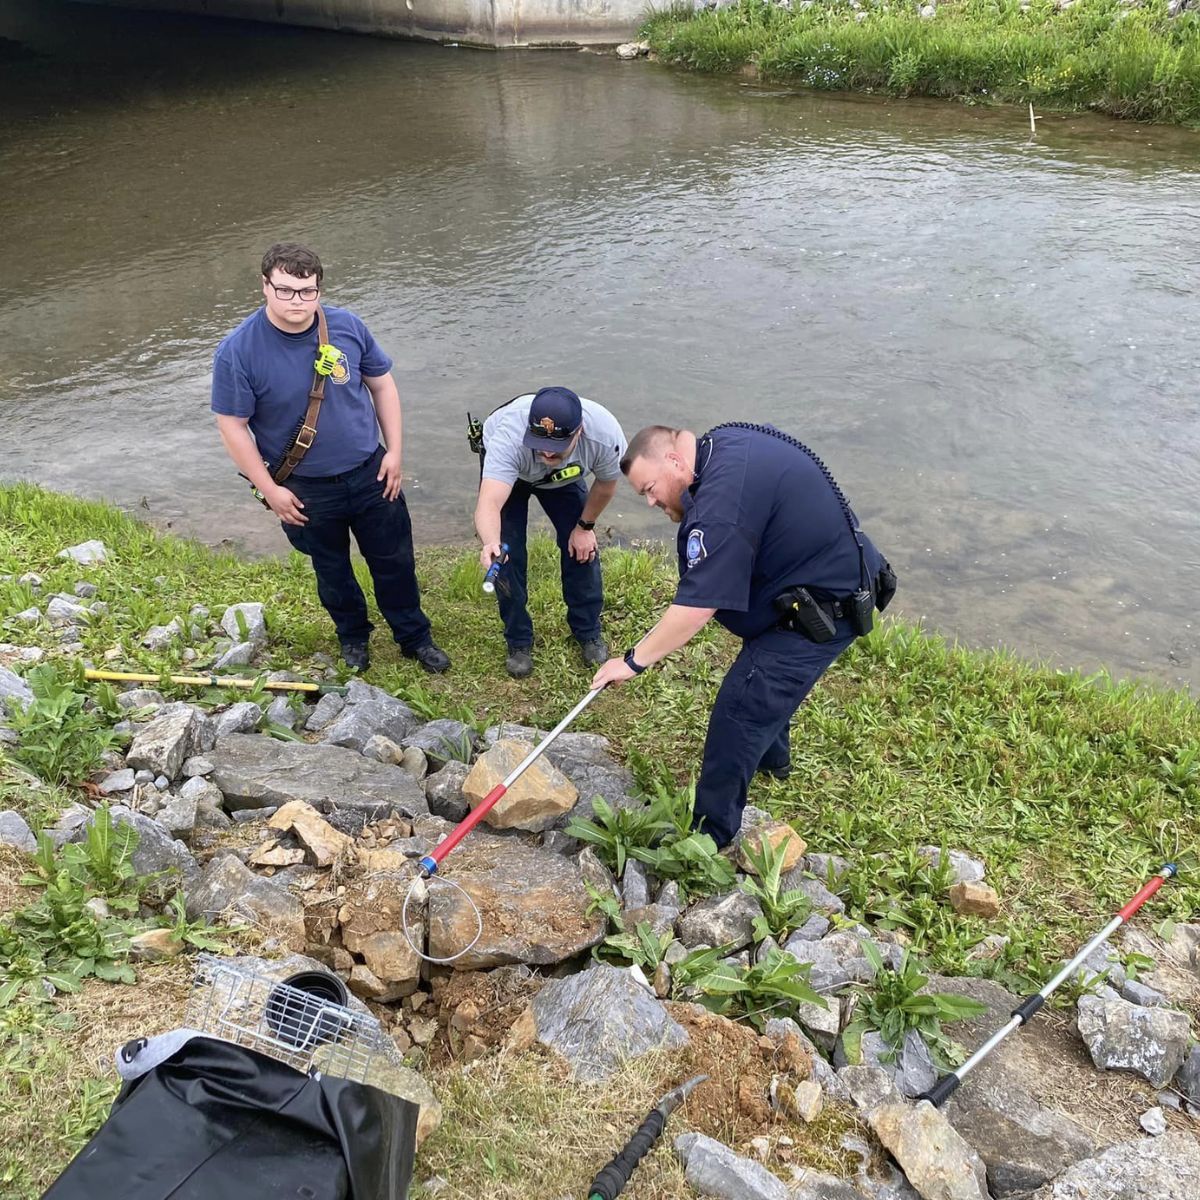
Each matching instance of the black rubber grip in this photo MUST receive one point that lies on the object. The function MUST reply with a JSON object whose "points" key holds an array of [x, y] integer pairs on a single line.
{"points": [[941, 1091], [610, 1182], [1029, 1007]]}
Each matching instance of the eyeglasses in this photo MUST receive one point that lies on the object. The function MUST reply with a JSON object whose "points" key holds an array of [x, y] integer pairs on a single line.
{"points": [[283, 292], [555, 434]]}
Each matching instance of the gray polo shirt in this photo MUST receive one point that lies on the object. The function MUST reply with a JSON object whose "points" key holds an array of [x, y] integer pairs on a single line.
{"points": [[598, 451]]}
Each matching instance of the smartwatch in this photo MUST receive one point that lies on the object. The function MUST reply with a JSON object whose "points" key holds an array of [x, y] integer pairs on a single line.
{"points": [[632, 663], [586, 526]]}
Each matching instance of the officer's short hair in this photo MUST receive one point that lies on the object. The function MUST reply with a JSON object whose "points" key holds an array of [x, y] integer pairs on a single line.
{"points": [[646, 442], [294, 259]]}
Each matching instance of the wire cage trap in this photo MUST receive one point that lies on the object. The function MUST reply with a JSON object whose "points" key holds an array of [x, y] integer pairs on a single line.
{"points": [[305, 1027]]}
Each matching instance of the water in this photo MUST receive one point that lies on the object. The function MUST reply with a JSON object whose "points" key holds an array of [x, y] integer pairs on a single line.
{"points": [[992, 342]]}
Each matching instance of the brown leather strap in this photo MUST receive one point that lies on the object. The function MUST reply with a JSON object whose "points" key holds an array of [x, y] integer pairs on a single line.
{"points": [[307, 433]]}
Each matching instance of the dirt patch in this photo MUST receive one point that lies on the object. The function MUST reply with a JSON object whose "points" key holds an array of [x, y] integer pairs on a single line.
{"points": [[481, 1004], [13, 865]]}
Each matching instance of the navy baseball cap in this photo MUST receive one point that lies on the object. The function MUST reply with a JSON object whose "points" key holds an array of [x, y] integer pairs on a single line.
{"points": [[554, 416]]}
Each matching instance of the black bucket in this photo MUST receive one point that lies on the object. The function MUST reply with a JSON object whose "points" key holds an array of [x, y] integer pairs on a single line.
{"points": [[300, 1010]]}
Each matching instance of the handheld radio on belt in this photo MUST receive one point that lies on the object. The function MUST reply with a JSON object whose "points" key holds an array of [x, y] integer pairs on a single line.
{"points": [[328, 357], [797, 605]]}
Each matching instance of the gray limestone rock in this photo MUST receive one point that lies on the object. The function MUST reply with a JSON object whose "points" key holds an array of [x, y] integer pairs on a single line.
{"points": [[201, 790], [911, 1067], [599, 1019], [1149, 1041], [281, 712], [242, 717], [28, 616], [156, 851], [196, 765], [368, 711], [870, 1087], [444, 791], [836, 959], [13, 689], [245, 623], [159, 637], [141, 698], [1187, 1078], [966, 869], [713, 1169], [239, 654], [720, 920], [86, 553], [413, 761], [178, 817], [85, 590], [444, 740], [118, 781], [328, 707], [228, 889], [164, 742], [1139, 993], [778, 1028], [824, 902], [635, 885], [254, 771], [1163, 1168], [1154, 1122], [15, 832]]}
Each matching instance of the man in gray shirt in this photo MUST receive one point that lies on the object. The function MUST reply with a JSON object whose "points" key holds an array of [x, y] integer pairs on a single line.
{"points": [[545, 444]]}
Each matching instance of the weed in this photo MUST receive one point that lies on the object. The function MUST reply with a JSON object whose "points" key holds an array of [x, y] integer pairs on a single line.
{"points": [[895, 1003], [693, 862], [641, 946], [774, 987], [198, 933], [617, 832], [782, 911]]}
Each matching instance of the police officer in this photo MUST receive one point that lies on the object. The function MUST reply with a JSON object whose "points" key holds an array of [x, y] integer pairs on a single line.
{"points": [[768, 545], [545, 444]]}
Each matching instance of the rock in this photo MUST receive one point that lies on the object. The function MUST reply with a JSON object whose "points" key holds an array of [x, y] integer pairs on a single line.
{"points": [[567, 747], [782, 838], [723, 920], [202, 791], [597, 875], [443, 740], [807, 1101], [32, 579], [635, 885], [965, 869], [245, 623], [242, 717], [444, 791], [1154, 1122], [118, 781], [240, 654], [533, 802], [1164, 1168], [271, 854], [155, 944], [15, 832], [164, 742], [328, 707], [161, 783], [159, 637], [600, 1019], [383, 749], [28, 616], [325, 845], [368, 711], [713, 1169], [615, 784], [937, 1160], [660, 918], [824, 902], [62, 611], [227, 889], [197, 765], [86, 553], [1187, 1078], [911, 1068], [141, 698], [836, 960], [974, 900], [928, 12], [1149, 1041], [13, 689], [823, 1019], [631, 50], [414, 762], [84, 590], [870, 1087], [372, 926], [1176, 970], [1139, 993], [178, 817], [781, 1029], [281, 712], [157, 851], [253, 771], [67, 827], [533, 903]]}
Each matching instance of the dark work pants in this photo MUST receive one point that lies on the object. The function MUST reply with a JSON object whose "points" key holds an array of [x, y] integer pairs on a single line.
{"points": [[582, 588], [337, 506], [751, 720]]}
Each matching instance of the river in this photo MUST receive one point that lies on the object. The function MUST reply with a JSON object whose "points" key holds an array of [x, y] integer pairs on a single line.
{"points": [[992, 340]]}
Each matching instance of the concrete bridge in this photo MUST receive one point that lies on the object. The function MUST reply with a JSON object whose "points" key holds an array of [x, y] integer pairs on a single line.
{"points": [[489, 23]]}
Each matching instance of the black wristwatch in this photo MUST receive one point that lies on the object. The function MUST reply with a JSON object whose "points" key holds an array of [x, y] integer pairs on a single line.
{"points": [[632, 663], [587, 526]]}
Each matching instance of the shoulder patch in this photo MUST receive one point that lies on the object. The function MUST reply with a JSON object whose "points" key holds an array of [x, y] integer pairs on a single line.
{"points": [[696, 551]]}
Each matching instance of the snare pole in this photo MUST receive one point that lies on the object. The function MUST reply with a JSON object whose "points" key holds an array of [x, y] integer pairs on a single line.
{"points": [[430, 863], [946, 1086], [235, 681]]}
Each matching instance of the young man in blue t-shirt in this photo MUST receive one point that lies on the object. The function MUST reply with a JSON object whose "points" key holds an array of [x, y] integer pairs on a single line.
{"points": [[346, 482]]}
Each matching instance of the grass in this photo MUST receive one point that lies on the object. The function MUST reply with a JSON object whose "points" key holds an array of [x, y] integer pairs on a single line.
{"points": [[1125, 61], [1072, 789]]}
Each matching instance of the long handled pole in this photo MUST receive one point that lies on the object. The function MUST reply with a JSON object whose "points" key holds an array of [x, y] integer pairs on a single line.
{"points": [[237, 681], [946, 1086], [430, 863]]}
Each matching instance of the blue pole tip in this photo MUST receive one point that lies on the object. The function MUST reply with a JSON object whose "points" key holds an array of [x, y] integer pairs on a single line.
{"points": [[428, 866]]}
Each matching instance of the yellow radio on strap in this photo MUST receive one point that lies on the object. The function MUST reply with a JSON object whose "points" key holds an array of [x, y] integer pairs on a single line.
{"points": [[328, 357]]}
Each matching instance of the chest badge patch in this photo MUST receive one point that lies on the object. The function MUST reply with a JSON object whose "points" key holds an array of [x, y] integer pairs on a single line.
{"points": [[696, 551]]}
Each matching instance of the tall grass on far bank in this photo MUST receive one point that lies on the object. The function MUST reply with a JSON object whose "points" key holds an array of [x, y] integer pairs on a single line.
{"points": [[1127, 60]]}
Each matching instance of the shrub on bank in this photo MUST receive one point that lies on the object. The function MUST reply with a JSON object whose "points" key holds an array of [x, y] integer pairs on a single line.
{"points": [[1127, 60]]}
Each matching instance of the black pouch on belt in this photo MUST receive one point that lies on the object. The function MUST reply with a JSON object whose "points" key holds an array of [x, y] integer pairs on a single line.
{"points": [[800, 613], [885, 586]]}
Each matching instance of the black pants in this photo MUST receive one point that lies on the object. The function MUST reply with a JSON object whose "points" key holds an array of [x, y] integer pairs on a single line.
{"points": [[336, 507]]}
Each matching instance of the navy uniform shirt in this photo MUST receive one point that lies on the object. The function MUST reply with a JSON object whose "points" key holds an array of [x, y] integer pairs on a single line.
{"points": [[761, 517]]}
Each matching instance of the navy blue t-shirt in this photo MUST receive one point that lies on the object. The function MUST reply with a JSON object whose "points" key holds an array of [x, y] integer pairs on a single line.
{"points": [[761, 517], [262, 373]]}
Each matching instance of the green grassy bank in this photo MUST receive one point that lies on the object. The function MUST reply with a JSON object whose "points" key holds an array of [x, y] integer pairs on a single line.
{"points": [[1126, 60], [1073, 790]]}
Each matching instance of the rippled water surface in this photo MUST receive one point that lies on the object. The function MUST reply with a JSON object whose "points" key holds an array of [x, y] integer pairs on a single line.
{"points": [[993, 342]]}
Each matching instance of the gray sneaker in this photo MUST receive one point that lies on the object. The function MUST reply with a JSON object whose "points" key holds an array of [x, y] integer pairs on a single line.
{"points": [[519, 663], [595, 653]]}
